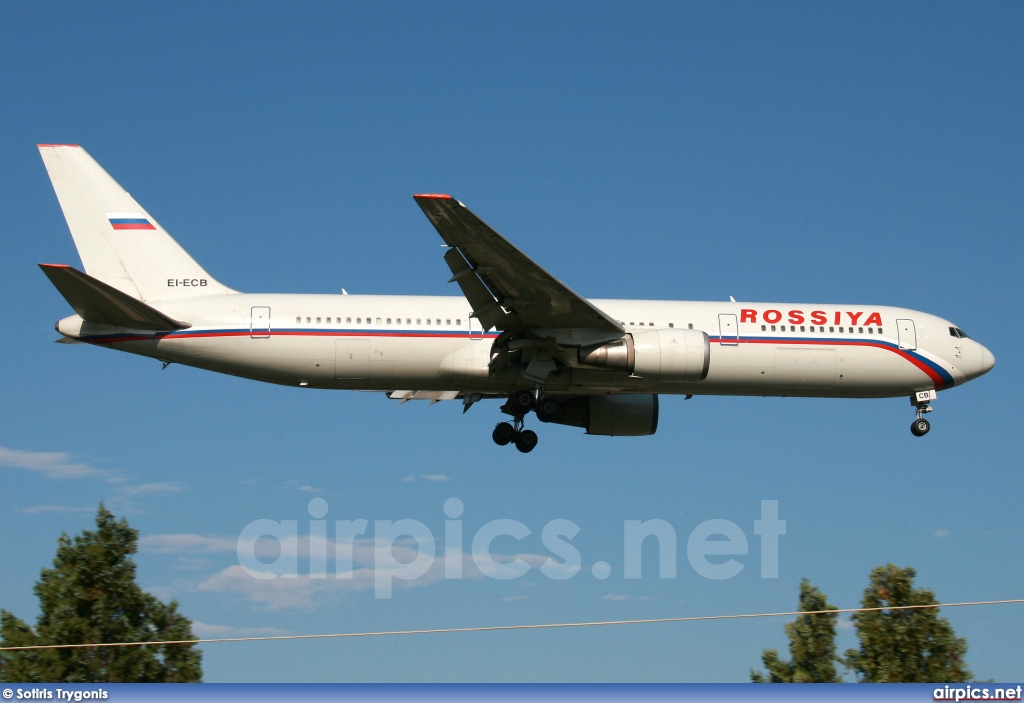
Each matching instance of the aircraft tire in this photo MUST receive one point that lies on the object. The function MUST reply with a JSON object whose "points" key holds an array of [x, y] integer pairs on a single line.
{"points": [[526, 441], [522, 402], [920, 427], [548, 410], [503, 434]]}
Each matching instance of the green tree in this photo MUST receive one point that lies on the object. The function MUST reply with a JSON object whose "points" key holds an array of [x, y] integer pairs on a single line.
{"points": [[90, 596], [904, 646], [812, 646]]}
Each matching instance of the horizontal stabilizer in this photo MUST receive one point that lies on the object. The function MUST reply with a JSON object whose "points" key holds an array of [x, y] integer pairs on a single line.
{"points": [[95, 301]]}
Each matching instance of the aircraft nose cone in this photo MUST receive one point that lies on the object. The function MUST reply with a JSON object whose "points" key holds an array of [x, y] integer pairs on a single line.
{"points": [[987, 360]]}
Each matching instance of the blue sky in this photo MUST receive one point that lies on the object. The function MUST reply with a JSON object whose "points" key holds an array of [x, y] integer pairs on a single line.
{"points": [[862, 153]]}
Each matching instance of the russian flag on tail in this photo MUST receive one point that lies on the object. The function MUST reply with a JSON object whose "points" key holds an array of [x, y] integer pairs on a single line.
{"points": [[129, 220]]}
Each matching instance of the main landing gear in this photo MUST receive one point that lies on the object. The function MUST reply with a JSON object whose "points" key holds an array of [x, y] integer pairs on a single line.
{"points": [[519, 405], [922, 402], [507, 432]]}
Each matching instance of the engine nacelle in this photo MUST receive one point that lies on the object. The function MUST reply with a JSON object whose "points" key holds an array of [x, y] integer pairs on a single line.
{"points": [[612, 415], [658, 354]]}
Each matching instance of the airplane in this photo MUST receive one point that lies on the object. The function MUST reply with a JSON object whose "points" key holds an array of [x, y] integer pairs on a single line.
{"points": [[517, 334]]}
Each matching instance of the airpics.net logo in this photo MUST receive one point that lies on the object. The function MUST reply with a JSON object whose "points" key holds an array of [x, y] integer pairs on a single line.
{"points": [[400, 552]]}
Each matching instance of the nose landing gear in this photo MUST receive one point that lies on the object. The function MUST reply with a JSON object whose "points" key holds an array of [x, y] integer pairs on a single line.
{"points": [[922, 401], [920, 427]]}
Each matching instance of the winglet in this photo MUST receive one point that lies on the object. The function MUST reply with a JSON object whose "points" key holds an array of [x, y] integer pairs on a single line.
{"points": [[433, 196]]}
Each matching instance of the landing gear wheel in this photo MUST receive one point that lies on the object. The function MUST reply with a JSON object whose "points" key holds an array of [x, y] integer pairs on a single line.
{"points": [[526, 441], [548, 410], [522, 402], [920, 427], [503, 433]]}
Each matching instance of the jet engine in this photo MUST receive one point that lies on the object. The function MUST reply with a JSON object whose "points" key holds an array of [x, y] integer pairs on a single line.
{"points": [[610, 415], [658, 354]]}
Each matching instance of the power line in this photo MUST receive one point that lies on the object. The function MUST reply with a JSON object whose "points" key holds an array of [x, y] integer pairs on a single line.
{"points": [[495, 628]]}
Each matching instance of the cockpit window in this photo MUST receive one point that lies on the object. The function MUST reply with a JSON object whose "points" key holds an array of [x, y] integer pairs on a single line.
{"points": [[958, 333]]}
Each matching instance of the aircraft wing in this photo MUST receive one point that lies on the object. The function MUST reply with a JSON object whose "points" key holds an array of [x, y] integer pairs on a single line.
{"points": [[506, 289]]}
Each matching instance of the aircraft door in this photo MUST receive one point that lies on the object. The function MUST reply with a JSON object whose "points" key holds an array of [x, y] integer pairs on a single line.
{"points": [[352, 358], [259, 323], [728, 329], [907, 334], [476, 330]]}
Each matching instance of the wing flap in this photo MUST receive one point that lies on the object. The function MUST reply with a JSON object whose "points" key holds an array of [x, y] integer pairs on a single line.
{"points": [[96, 301], [485, 306], [510, 289]]}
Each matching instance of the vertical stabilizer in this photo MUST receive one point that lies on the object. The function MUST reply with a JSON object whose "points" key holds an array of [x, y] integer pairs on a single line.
{"points": [[120, 243]]}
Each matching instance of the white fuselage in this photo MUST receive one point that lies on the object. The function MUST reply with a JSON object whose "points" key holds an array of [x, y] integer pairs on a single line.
{"points": [[414, 343]]}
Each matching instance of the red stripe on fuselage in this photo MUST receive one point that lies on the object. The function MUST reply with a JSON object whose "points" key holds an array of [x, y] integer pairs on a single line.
{"points": [[939, 381]]}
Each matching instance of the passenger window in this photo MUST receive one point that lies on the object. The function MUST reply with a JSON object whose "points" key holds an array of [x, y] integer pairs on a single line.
{"points": [[641, 324], [318, 320], [298, 319], [630, 324], [860, 330], [378, 320], [307, 320], [671, 324], [840, 330], [802, 328], [459, 321], [650, 324], [359, 320], [691, 326], [428, 320], [870, 331], [831, 329], [773, 328], [408, 320], [879, 330], [448, 322], [438, 322], [419, 320], [762, 328]]}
